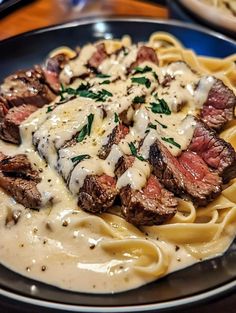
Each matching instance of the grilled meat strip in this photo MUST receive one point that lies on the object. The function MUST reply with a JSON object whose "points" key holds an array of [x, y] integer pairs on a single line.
{"points": [[97, 193], [186, 176], [21, 94], [219, 106], [145, 54], [118, 133], [19, 179], [10, 123], [152, 205], [26, 87], [98, 57], [216, 152], [53, 67]]}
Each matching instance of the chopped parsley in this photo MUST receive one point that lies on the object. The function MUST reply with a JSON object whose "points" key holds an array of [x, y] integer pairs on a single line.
{"points": [[138, 99], [160, 107], [82, 134], [80, 158], [155, 75], [89, 125], [49, 109], [134, 152], [83, 91], [162, 125], [103, 76], [116, 118], [171, 141], [142, 81], [86, 130], [105, 82], [150, 125], [142, 70]]}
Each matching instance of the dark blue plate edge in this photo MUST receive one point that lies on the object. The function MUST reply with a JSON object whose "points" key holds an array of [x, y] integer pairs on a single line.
{"points": [[92, 19]]}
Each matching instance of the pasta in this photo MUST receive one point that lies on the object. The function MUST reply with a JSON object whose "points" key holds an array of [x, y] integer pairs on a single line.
{"points": [[106, 252]]}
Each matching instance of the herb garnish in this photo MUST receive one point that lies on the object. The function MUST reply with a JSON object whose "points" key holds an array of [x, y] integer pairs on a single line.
{"points": [[160, 107], [142, 70], [155, 75], [142, 81], [134, 152], [49, 109], [105, 82], [86, 130], [171, 141], [162, 125], [80, 158], [116, 118], [103, 76], [138, 99], [89, 125], [150, 125], [83, 91]]}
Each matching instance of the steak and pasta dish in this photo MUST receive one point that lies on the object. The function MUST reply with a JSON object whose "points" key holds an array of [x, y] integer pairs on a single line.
{"points": [[117, 163]]}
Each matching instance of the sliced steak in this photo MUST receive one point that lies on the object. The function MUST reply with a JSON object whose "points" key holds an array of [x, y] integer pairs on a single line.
{"points": [[19, 179], [152, 205], [53, 67], [187, 176], [217, 153], [3, 108], [26, 87], [98, 57], [97, 193], [145, 54], [118, 133], [9, 126], [219, 106]]}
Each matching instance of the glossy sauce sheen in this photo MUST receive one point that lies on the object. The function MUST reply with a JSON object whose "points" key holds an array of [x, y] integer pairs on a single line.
{"points": [[56, 245]]}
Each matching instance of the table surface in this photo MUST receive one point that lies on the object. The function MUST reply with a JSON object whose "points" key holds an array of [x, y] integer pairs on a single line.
{"points": [[41, 13]]}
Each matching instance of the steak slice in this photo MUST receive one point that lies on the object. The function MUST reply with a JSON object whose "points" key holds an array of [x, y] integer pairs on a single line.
{"points": [[216, 152], [19, 179], [98, 57], [97, 193], [26, 87], [152, 205], [187, 176], [53, 67], [219, 106], [118, 133], [145, 54], [10, 124]]}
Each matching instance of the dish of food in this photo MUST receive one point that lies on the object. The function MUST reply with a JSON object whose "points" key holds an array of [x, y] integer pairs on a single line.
{"points": [[219, 14], [101, 151]]}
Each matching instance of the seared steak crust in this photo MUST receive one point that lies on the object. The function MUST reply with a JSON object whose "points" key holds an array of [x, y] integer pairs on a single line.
{"points": [[219, 106], [188, 176], [26, 87], [118, 133], [53, 67], [9, 126], [19, 179], [145, 54], [98, 57], [216, 152], [150, 206], [97, 193]]}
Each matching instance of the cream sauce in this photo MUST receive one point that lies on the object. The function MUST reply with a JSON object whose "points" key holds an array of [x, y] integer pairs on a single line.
{"points": [[64, 246]]}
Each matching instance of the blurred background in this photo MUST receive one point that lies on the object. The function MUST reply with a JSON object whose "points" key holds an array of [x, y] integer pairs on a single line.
{"points": [[17, 16]]}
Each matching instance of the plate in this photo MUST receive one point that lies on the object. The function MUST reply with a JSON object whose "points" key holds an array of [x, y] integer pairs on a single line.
{"points": [[207, 15], [199, 282]]}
